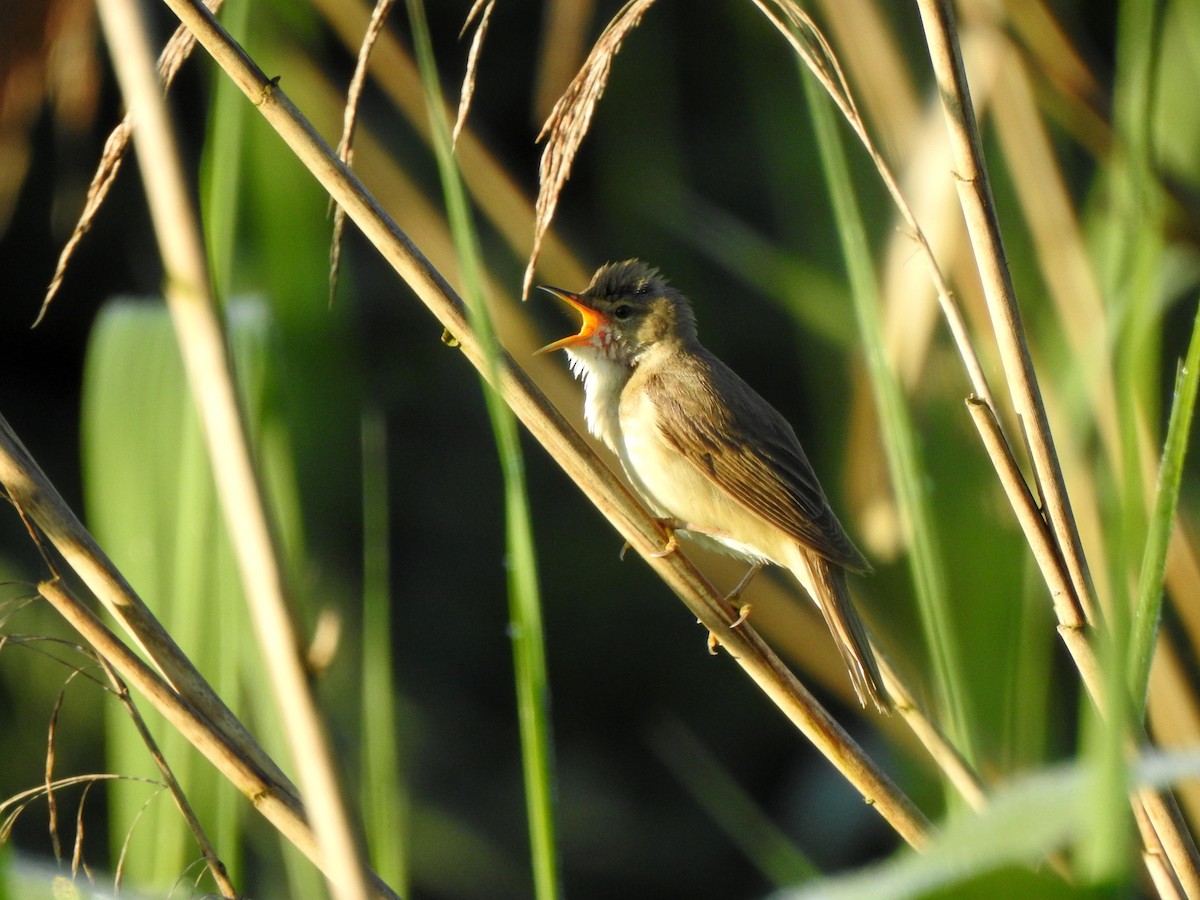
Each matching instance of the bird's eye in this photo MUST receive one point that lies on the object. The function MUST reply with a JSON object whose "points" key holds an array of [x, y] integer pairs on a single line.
{"points": [[623, 311]]}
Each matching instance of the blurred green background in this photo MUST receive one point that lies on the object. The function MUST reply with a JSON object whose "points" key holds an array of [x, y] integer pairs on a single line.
{"points": [[701, 160]]}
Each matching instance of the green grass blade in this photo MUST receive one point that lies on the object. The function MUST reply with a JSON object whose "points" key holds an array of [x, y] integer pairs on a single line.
{"points": [[1154, 560], [899, 435], [1136, 228], [383, 796], [1024, 822], [1135, 252], [221, 165], [532, 683]]}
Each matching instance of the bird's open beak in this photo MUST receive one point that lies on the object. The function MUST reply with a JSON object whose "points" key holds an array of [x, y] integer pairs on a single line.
{"points": [[592, 319]]}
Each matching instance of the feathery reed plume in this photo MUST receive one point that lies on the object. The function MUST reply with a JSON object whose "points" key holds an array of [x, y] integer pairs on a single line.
{"points": [[482, 9], [564, 131], [345, 148], [173, 56]]}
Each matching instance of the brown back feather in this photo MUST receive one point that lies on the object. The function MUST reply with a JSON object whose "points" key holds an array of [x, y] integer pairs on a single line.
{"points": [[702, 402]]}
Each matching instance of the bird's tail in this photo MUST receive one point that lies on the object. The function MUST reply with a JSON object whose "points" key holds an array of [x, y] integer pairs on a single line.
{"points": [[825, 581]]}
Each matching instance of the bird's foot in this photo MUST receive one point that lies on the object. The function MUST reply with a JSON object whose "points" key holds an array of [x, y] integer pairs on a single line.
{"points": [[670, 526], [732, 597], [671, 547], [714, 642]]}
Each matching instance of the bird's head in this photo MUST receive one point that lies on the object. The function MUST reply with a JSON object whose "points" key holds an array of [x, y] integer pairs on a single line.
{"points": [[628, 309]]}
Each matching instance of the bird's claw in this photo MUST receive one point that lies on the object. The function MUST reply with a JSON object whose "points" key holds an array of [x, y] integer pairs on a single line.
{"points": [[669, 526], [671, 547], [714, 642]]}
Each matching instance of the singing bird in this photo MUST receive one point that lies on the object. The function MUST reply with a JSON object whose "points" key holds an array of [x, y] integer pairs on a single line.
{"points": [[705, 451]]}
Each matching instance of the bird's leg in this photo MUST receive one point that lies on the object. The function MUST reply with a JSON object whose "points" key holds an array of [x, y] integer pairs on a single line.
{"points": [[731, 599]]}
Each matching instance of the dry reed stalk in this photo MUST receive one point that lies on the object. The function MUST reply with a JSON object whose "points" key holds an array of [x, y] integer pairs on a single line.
{"points": [[36, 497], [1037, 533], [345, 149], [210, 376], [983, 228], [238, 758], [956, 769], [216, 868], [579, 461], [1164, 833]]}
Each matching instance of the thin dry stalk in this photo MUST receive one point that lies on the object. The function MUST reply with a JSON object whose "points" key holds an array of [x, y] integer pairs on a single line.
{"points": [[983, 228], [210, 376], [48, 775], [1153, 857], [956, 769], [12, 807], [1168, 833], [1033, 524], [77, 852], [569, 121], [173, 56], [236, 759], [579, 461], [345, 148], [493, 189], [215, 867], [811, 46], [40, 503]]}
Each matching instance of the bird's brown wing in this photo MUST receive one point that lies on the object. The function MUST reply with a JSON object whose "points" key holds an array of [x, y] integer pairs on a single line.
{"points": [[738, 440]]}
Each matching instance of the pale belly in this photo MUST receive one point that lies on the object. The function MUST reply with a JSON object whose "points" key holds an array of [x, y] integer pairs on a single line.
{"points": [[674, 488]]}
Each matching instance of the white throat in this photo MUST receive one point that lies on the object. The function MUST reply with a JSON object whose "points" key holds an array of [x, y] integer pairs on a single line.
{"points": [[603, 379]]}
